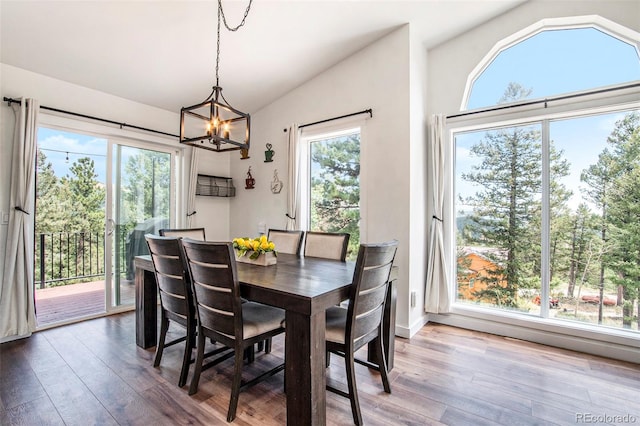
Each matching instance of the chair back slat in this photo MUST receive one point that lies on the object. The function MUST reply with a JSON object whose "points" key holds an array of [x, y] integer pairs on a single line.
{"points": [[171, 276], [217, 292]]}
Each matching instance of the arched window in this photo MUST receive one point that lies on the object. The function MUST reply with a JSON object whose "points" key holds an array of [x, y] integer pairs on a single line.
{"points": [[547, 191], [555, 57]]}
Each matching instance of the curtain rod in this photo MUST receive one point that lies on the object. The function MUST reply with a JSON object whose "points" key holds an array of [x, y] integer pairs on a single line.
{"points": [[544, 101], [366, 111], [104, 120]]}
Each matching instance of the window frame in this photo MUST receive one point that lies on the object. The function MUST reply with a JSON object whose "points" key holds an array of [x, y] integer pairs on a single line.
{"points": [[591, 104]]}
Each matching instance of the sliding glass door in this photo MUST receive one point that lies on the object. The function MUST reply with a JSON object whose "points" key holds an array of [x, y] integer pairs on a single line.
{"points": [[96, 198], [141, 204]]}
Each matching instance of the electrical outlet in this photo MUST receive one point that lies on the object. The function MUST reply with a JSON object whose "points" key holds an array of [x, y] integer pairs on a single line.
{"points": [[413, 299], [5, 218], [262, 228]]}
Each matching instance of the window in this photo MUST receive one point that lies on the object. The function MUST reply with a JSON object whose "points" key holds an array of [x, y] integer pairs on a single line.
{"points": [[331, 195], [553, 58], [546, 200]]}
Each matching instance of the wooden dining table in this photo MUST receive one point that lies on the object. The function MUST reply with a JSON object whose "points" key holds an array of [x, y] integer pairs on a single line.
{"points": [[304, 287]]}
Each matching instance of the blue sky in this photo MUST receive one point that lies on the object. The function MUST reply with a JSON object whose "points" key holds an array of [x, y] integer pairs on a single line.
{"points": [[550, 63], [58, 145], [559, 61]]}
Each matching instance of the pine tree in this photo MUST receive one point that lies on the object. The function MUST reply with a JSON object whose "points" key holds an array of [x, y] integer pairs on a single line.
{"points": [[507, 210], [335, 187], [623, 200]]}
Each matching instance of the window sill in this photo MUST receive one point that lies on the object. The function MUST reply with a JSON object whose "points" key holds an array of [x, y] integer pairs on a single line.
{"points": [[597, 340]]}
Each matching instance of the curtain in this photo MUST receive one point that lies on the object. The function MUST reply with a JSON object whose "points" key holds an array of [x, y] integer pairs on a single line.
{"points": [[193, 181], [437, 283], [17, 307], [293, 178]]}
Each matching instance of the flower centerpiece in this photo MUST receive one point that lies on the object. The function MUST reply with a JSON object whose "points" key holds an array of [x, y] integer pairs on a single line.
{"points": [[259, 251]]}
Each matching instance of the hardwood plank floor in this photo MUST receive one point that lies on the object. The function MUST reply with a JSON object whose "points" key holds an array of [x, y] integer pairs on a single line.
{"points": [[93, 373]]}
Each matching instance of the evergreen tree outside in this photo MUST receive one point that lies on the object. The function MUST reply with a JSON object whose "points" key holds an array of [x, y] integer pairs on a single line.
{"points": [[69, 221], [594, 244], [623, 219], [335, 188]]}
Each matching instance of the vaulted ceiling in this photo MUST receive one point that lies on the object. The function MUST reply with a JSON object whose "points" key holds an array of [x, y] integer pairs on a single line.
{"points": [[162, 53]]}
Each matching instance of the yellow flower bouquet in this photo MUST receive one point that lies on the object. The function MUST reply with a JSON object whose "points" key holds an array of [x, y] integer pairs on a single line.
{"points": [[254, 246]]}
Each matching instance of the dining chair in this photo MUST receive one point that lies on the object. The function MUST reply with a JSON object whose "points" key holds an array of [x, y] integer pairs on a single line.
{"points": [[193, 233], [286, 241], [349, 329], [222, 316], [176, 298], [328, 245]]}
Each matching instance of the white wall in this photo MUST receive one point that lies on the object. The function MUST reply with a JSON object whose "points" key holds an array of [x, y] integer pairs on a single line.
{"points": [[448, 68], [377, 77]]}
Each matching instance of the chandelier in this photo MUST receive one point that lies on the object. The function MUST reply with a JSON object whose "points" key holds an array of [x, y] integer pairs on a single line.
{"points": [[214, 124]]}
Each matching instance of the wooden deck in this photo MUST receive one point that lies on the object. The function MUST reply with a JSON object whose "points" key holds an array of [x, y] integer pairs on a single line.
{"points": [[75, 301]]}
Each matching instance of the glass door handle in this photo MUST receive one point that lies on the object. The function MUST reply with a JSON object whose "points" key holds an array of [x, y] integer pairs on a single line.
{"points": [[111, 226]]}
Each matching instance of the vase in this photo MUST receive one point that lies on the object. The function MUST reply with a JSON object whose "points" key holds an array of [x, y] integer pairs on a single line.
{"points": [[264, 259]]}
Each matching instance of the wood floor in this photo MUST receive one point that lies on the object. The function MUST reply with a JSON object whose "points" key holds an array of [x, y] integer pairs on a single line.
{"points": [[93, 373]]}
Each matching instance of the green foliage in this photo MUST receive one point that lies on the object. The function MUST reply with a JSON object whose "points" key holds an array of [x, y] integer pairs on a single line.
{"points": [[506, 212], [335, 187]]}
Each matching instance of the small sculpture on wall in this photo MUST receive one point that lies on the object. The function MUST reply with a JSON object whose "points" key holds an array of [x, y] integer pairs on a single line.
{"points": [[269, 153], [249, 181], [276, 184]]}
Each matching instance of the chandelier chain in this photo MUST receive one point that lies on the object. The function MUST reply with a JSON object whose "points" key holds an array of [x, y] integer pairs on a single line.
{"points": [[224, 19]]}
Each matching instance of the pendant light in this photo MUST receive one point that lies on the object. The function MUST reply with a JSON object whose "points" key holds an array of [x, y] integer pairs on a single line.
{"points": [[214, 124]]}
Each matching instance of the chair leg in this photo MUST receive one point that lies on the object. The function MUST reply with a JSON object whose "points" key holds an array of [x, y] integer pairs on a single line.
{"points": [[327, 356], [235, 387], [250, 354], [382, 365], [353, 391], [186, 358], [267, 346], [193, 388], [164, 326]]}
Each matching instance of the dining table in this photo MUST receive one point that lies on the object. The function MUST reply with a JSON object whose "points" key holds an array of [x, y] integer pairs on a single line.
{"points": [[304, 287]]}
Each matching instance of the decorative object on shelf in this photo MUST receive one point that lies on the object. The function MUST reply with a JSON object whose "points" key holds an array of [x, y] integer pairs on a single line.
{"points": [[249, 181], [258, 251], [269, 153], [276, 184], [244, 153], [215, 186], [214, 124]]}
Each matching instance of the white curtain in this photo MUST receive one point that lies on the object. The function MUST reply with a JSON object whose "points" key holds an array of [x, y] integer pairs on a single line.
{"points": [[437, 284], [17, 310], [193, 181], [293, 178]]}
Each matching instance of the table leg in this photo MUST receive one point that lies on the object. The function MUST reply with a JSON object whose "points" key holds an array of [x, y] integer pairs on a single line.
{"points": [[305, 369], [146, 308]]}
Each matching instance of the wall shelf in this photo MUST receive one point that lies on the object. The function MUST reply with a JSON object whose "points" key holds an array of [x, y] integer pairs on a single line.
{"points": [[215, 186]]}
